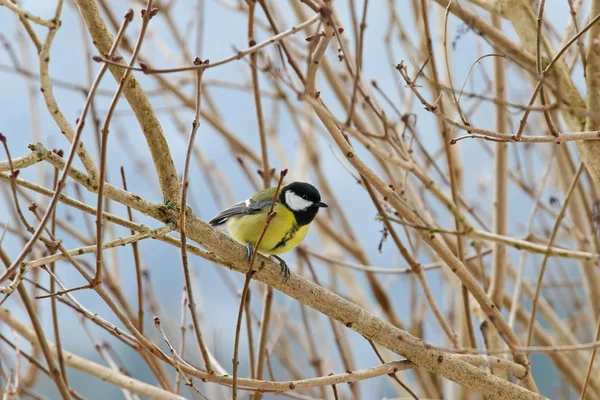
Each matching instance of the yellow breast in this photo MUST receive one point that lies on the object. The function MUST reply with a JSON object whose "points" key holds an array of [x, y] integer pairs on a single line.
{"points": [[283, 233]]}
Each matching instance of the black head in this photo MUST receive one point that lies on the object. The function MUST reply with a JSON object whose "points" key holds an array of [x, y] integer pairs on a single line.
{"points": [[303, 199]]}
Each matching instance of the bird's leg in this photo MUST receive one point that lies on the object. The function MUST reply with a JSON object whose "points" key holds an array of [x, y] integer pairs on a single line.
{"points": [[250, 250], [284, 268]]}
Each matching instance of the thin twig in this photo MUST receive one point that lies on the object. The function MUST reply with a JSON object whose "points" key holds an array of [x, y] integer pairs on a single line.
{"points": [[393, 376], [26, 14], [251, 272], [538, 288], [138, 267], [359, 60], [518, 282], [53, 302], [538, 65], [147, 14], [547, 71], [500, 206], [182, 222], [176, 358], [591, 363], [265, 323], [182, 330], [54, 371], [449, 73], [265, 169], [247, 310], [475, 132], [239, 55]]}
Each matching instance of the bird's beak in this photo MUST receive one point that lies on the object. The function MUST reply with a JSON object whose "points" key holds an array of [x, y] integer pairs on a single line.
{"points": [[322, 205]]}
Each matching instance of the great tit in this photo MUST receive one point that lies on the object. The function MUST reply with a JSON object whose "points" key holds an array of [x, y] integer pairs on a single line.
{"points": [[295, 208]]}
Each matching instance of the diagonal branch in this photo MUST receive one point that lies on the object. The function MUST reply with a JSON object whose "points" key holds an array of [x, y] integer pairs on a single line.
{"points": [[26, 14], [182, 217], [104, 140], [151, 128]]}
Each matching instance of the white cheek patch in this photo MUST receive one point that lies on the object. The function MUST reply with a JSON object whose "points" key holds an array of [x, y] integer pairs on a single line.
{"points": [[296, 202]]}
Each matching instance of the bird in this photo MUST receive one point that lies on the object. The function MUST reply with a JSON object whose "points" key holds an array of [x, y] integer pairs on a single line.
{"points": [[295, 208]]}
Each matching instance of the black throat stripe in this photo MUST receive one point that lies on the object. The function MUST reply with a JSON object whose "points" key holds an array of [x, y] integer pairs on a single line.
{"points": [[287, 237]]}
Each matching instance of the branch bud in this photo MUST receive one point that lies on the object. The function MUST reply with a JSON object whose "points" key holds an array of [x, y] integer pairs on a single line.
{"points": [[129, 15]]}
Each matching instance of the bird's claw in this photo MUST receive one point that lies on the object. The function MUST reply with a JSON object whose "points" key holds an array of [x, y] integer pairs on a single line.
{"points": [[250, 250], [285, 270]]}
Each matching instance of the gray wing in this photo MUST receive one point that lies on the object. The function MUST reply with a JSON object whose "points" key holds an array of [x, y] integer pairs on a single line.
{"points": [[246, 207]]}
